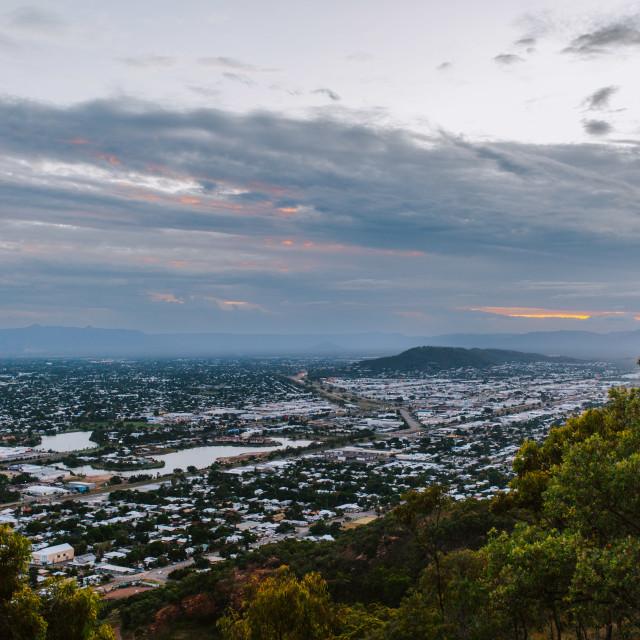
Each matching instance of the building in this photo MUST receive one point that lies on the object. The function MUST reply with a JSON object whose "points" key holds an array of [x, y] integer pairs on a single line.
{"points": [[14, 453], [53, 555], [82, 487], [41, 491], [115, 569]]}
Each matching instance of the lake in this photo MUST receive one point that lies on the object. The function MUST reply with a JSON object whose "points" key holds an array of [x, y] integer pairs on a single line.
{"points": [[199, 457], [63, 442]]}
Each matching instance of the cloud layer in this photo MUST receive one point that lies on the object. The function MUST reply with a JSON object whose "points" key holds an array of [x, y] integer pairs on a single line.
{"points": [[120, 213]]}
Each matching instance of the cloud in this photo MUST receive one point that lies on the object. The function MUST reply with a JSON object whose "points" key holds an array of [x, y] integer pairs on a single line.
{"points": [[240, 78], [597, 127], [507, 59], [148, 61], [328, 92], [104, 200], [163, 297], [229, 63], [208, 92], [445, 66], [599, 100], [226, 63], [37, 19], [235, 305], [528, 312], [607, 38]]}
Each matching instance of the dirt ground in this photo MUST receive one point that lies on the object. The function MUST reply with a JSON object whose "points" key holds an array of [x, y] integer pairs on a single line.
{"points": [[99, 479], [125, 592], [352, 524]]}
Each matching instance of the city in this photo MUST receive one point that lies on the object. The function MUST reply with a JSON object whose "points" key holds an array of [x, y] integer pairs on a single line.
{"points": [[191, 462]]}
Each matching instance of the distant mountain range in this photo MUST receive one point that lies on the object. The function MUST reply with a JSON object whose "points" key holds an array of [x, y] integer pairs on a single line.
{"points": [[43, 341], [432, 359]]}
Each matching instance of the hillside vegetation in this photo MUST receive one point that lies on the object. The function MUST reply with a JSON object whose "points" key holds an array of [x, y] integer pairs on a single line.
{"points": [[432, 359], [557, 555]]}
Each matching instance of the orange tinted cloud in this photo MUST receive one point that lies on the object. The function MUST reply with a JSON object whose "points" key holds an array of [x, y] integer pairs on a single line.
{"points": [[530, 312], [230, 305], [79, 141], [164, 297], [287, 210], [113, 160], [225, 205], [326, 247]]}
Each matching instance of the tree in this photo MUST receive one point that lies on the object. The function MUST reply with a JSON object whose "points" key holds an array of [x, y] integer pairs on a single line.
{"points": [[6, 494], [535, 464], [61, 611], [465, 594], [529, 574], [283, 608], [20, 617], [71, 612], [577, 565], [423, 513]]}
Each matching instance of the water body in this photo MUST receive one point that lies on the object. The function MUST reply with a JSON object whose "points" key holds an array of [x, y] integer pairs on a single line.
{"points": [[63, 442], [199, 457]]}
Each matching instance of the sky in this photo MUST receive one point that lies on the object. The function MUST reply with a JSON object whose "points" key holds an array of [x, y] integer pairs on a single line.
{"points": [[307, 166]]}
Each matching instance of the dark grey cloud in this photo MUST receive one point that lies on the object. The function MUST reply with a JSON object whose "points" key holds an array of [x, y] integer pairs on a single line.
{"points": [[607, 38], [208, 92], [507, 59], [445, 66], [240, 78], [9, 44], [36, 19], [328, 92], [527, 41], [227, 63], [597, 127], [122, 197], [146, 61], [346, 173], [292, 91], [599, 100]]}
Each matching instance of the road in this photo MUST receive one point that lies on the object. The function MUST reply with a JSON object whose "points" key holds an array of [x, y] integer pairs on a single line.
{"points": [[411, 423]]}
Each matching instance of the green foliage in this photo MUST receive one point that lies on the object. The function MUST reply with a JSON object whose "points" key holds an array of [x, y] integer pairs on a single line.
{"points": [[464, 598], [283, 608], [576, 565], [60, 611], [6, 493]]}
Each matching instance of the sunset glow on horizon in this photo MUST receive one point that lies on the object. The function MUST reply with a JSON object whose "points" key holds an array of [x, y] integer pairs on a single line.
{"points": [[527, 312]]}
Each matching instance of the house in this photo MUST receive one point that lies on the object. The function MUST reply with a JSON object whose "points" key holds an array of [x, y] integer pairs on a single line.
{"points": [[53, 555]]}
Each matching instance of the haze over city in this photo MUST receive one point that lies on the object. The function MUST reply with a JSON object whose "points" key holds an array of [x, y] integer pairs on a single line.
{"points": [[415, 167]]}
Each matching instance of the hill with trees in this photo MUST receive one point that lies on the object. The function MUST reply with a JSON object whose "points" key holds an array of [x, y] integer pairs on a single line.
{"points": [[557, 555], [435, 359]]}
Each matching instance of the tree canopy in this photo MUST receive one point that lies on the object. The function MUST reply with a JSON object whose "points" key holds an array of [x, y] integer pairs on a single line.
{"points": [[59, 610]]}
